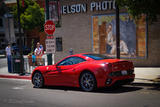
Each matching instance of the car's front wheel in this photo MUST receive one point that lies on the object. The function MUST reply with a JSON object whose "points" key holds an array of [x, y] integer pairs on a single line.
{"points": [[38, 80], [87, 81]]}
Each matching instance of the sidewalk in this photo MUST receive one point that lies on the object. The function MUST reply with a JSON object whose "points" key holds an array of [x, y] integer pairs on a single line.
{"points": [[4, 70], [143, 75], [4, 74], [147, 75]]}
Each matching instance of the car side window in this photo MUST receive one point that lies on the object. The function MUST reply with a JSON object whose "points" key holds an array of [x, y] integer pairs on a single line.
{"points": [[71, 61]]}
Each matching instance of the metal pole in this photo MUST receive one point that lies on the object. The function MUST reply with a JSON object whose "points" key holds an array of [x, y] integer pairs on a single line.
{"points": [[20, 41], [9, 28], [49, 56], [117, 33], [58, 23]]}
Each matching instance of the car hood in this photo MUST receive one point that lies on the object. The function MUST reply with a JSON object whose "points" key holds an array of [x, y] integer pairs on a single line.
{"points": [[111, 60]]}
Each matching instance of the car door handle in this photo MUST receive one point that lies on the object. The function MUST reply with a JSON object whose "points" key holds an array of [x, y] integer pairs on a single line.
{"points": [[74, 70], [52, 70]]}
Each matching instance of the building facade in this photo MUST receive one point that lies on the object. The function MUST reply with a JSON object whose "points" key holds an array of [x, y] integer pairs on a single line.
{"points": [[89, 26], [8, 33], [8, 29]]}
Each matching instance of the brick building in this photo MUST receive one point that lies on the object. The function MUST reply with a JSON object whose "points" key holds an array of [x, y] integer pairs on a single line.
{"points": [[9, 30], [84, 28]]}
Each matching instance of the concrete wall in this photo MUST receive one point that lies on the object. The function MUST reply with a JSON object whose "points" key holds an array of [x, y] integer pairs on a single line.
{"points": [[76, 33], [153, 57], [76, 30]]}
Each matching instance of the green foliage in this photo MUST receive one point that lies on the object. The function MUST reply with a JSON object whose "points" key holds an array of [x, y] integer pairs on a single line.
{"points": [[136, 8], [32, 48], [32, 15]]}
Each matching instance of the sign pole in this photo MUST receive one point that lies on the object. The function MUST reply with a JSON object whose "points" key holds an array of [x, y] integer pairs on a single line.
{"points": [[117, 33], [20, 41], [49, 56]]}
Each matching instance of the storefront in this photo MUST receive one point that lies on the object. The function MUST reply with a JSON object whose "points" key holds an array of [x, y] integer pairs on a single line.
{"points": [[89, 26]]}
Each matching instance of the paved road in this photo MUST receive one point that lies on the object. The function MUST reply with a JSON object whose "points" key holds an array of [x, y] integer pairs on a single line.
{"points": [[3, 62], [20, 93]]}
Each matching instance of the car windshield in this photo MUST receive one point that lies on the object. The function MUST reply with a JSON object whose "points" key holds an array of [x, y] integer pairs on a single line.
{"points": [[97, 56]]}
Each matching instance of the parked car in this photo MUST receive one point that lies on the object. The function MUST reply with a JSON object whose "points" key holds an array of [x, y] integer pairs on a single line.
{"points": [[2, 49], [88, 71], [26, 49], [3, 52]]}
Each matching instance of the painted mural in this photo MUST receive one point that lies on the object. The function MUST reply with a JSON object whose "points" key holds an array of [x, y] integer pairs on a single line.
{"points": [[132, 36]]}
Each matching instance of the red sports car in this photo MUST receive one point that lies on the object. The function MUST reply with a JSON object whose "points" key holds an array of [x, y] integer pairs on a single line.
{"points": [[88, 71]]}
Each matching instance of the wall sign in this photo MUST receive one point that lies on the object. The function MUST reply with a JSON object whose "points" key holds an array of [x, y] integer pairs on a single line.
{"points": [[50, 45], [83, 8], [133, 43]]}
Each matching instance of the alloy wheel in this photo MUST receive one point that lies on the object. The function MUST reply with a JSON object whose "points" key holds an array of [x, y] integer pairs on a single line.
{"points": [[87, 81], [38, 80]]}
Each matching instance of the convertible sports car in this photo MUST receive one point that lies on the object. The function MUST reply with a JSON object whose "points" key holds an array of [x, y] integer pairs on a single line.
{"points": [[88, 71]]}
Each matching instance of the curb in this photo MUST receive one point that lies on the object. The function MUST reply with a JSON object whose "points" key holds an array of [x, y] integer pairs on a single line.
{"points": [[16, 77], [146, 84]]}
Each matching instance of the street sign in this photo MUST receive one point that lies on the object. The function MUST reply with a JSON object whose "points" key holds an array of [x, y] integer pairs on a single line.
{"points": [[50, 45], [49, 27]]}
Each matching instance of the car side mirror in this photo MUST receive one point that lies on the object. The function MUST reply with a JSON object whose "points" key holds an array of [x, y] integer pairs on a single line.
{"points": [[56, 65]]}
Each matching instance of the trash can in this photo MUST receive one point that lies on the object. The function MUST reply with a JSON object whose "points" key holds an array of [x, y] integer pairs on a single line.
{"points": [[16, 64]]}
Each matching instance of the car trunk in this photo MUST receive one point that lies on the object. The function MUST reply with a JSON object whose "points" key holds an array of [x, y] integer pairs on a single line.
{"points": [[122, 65], [118, 65]]}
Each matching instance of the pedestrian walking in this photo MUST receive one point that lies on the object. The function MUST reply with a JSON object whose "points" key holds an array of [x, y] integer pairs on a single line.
{"points": [[8, 55]]}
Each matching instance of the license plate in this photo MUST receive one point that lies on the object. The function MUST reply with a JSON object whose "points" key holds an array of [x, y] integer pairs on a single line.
{"points": [[124, 72]]}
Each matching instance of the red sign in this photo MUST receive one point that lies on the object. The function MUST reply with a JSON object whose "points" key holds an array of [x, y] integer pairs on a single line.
{"points": [[50, 37], [49, 27]]}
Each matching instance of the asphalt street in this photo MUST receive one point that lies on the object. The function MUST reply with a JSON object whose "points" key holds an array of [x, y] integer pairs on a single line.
{"points": [[20, 93]]}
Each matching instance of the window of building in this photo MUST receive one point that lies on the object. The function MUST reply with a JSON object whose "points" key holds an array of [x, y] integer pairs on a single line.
{"points": [[59, 44], [2, 35], [1, 22]]}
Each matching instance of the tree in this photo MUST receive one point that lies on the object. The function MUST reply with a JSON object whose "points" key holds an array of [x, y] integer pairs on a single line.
{"points": [[136, 8], [32, 16], [3, 8]]}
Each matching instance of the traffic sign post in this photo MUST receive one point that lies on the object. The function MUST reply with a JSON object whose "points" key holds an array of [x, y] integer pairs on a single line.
{"points": [[49, 28], [50, 45], [50, 48]]}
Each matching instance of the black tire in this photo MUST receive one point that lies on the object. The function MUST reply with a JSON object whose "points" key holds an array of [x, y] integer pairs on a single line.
{"points": [[87, 81], [38, 80]]}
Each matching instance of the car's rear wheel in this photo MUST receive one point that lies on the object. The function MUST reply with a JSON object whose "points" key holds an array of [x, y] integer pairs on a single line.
{"points": [[87, 81], [38, 80]]}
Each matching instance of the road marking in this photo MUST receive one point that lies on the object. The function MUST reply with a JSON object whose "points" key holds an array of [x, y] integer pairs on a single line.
{"points": [[18, 88], [17, 101]]}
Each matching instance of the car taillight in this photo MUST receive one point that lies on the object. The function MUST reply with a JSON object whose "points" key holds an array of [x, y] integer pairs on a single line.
{"points": [[104, 67], [109, 66]]}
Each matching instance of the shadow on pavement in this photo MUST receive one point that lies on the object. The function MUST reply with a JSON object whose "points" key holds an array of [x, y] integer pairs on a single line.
{"points": [[150, 86], [112, 90], [64, 88], [155, 88], [118, 89]]}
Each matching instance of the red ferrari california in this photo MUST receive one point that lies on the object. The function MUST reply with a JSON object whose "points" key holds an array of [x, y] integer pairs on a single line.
{"points": [[87, 71]]}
